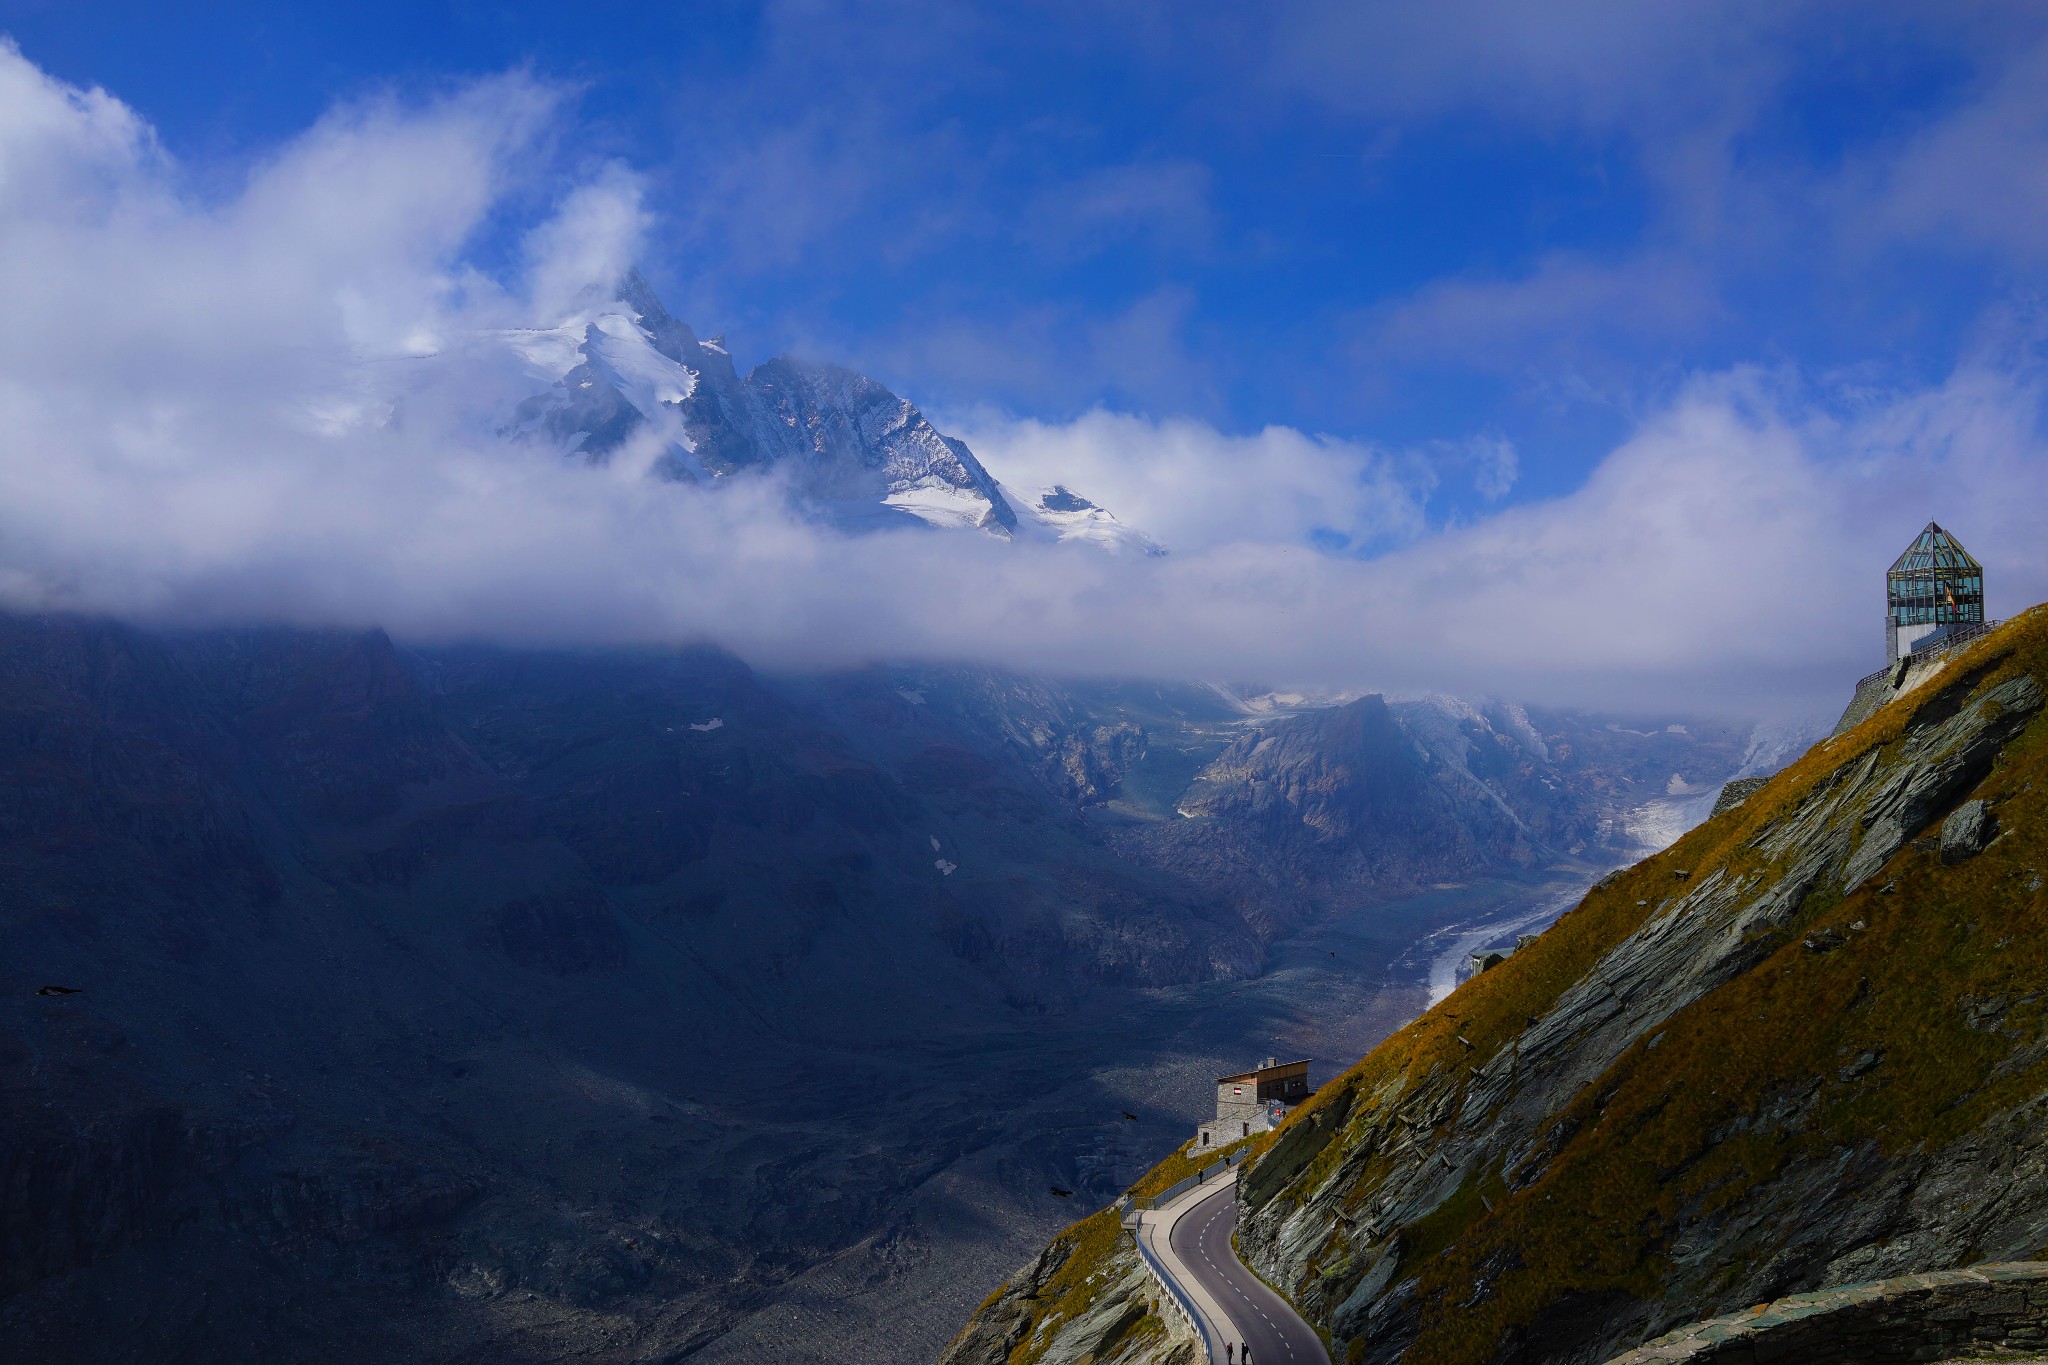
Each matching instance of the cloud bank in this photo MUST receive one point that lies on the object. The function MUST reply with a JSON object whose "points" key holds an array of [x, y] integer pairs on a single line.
{"points": [[274, 405]]}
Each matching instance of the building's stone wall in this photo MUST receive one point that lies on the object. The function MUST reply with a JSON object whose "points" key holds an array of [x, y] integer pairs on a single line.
{"points": [[1223, 1132], [1735, 792], [1239, 1101], [1986, 1310], [1880, 688]]}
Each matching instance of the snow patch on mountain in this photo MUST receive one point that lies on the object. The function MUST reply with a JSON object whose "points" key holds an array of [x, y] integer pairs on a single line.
{"points": [[1060, 514], [1254, 703]]}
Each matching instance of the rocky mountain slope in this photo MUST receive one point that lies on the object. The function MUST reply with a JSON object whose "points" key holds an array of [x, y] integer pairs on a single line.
{"points": [[434, 1005], [627, 379], [1802, 1047], [1277, 816]]}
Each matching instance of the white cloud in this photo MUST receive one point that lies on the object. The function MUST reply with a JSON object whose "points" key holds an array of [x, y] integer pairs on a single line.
{"points": [[1195, 488], [61, 147], [593, 239], [222, 411]]}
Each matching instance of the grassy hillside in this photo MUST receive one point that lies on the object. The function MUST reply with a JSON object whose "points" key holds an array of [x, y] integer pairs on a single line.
{"points": [[1795, 1049], [1858, 1035]]}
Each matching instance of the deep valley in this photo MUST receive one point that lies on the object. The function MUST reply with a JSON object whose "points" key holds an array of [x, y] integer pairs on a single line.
{"points": [[457, 1003]]}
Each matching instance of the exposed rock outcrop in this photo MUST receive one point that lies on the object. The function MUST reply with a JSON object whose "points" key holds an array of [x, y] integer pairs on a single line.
{"points": [[1001, 1322], [1112, 1317], [1966, 831], [1986, 1310]]}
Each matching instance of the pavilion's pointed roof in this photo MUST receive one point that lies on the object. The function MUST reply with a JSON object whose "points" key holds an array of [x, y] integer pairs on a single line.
{"points": [[1936, 550]]}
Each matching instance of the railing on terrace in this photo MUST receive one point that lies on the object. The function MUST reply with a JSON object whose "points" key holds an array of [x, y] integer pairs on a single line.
{"points": [[1957, 637], [1179, 1187]]}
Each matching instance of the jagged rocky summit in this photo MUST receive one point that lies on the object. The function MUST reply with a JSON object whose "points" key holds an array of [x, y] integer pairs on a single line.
{"points": [[1804, 1047], [626, 378]]}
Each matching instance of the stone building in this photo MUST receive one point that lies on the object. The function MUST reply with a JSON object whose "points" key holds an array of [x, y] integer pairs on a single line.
{"points": [[1253, 1101]]}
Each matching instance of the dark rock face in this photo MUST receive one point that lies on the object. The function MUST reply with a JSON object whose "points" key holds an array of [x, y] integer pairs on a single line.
{"points": [[75, 1198], [1943, 1315], [562, 934], [1092, 765], [847, 444], [112, 791], [859, 439], [1966, 831], [1003, 1320], [1310, 788], [1944, 757], [1348, 804]]}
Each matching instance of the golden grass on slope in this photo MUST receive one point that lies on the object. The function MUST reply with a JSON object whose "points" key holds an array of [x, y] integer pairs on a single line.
{"points": [[1187, 1161], [1071, 1290], [1492, 1008], [1660, 1141], [1803, 1057]]}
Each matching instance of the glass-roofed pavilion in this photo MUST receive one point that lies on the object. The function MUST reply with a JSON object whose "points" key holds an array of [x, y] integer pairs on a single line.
{"points": [[1933, 586]]}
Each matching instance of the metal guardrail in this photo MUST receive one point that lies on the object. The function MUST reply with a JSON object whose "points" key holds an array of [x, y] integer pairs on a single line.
{"points": [[1966, 633], [1181, 1302], [1180, 1187]]}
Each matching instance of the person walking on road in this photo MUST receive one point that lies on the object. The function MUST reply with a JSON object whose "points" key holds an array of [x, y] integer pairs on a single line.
{"points": [[1229, 1352]]}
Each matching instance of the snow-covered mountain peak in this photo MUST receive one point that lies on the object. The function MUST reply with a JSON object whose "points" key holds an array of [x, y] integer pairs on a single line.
{"points": [[1059, 513], [626, 372]]}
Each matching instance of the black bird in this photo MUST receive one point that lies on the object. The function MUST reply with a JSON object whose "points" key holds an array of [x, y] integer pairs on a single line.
{"points": [[1059, 1193], [59, 990], [1129, 1115]]}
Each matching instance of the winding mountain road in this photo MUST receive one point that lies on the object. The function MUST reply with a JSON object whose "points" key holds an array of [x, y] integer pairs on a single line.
{"points": [[1192, 1240]]}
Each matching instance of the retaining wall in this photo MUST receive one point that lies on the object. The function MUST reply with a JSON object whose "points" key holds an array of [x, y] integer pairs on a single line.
{"points": [[1908, 672], [1170, 1294]]}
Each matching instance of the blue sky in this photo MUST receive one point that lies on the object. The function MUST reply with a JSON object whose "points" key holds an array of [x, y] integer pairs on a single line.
{"points": [[1502, 243], [1380, 221]]}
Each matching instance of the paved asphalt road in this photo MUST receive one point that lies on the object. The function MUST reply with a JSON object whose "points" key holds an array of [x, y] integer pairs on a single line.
{"points": [[1276, 1334]]}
